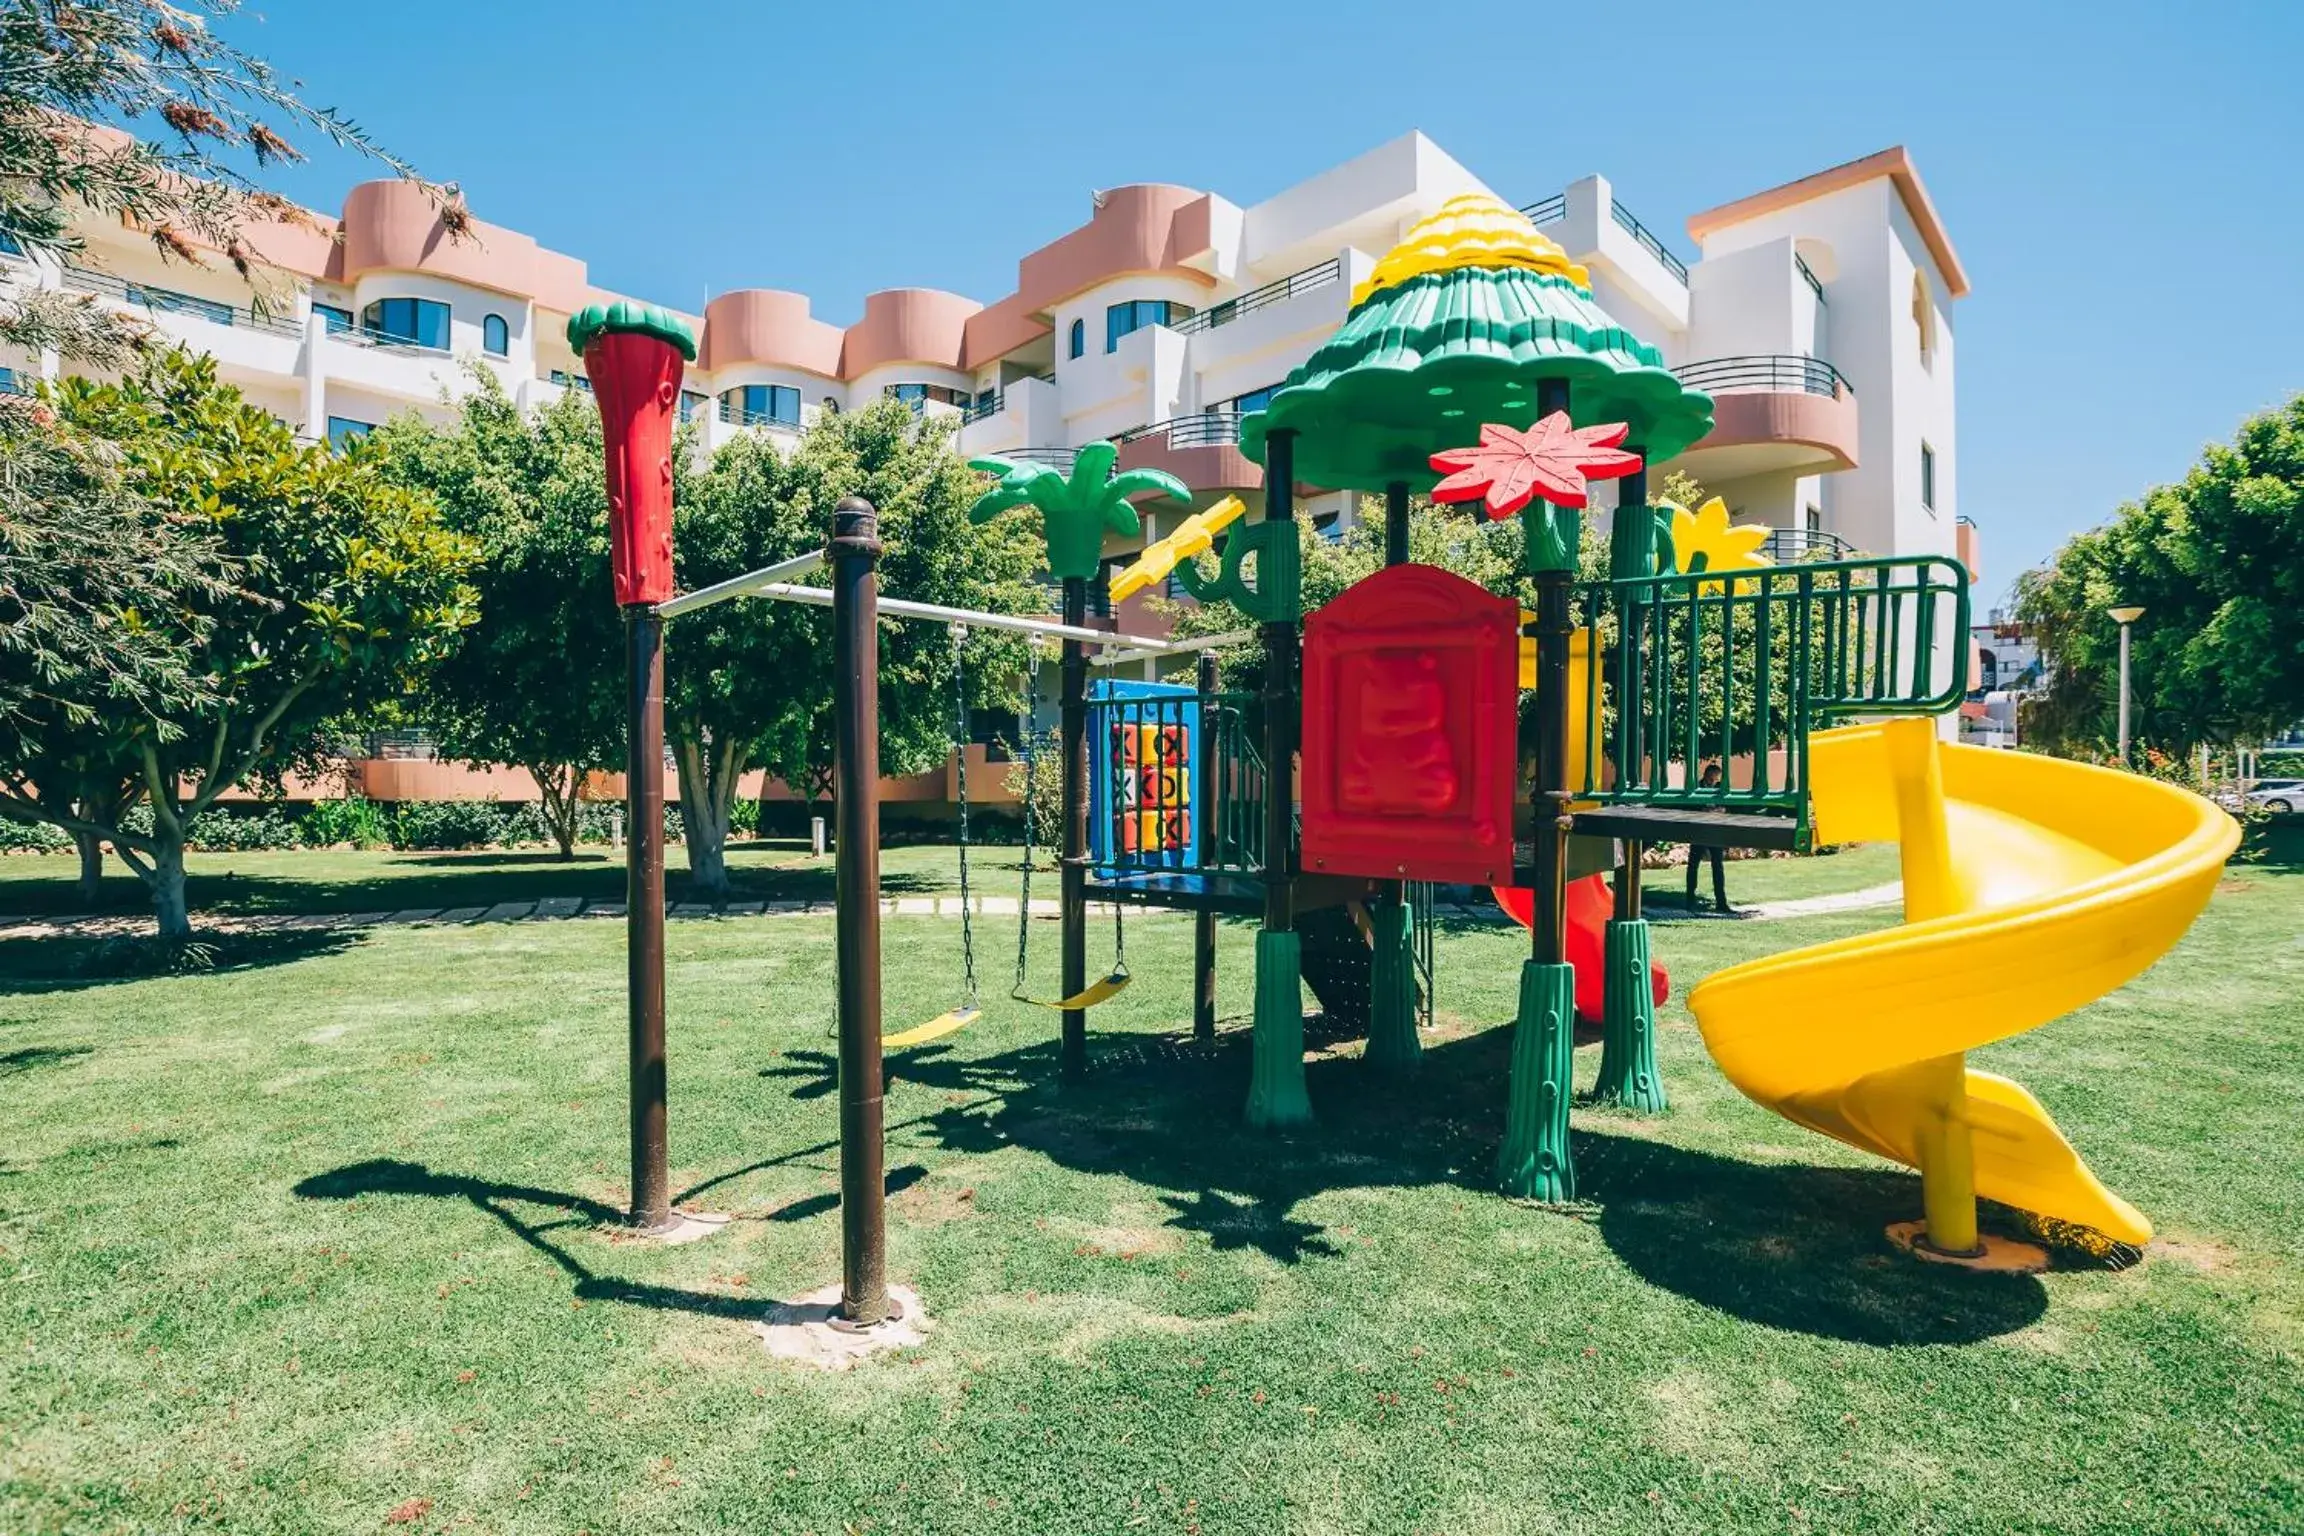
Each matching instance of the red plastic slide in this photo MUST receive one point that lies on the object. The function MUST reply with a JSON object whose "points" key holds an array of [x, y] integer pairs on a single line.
{"points": [[1589, 903]]}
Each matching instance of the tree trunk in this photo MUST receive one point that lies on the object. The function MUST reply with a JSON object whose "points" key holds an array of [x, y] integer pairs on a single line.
{"points": [[703, 822], [166, 882], [91, 887], [556, 786]]}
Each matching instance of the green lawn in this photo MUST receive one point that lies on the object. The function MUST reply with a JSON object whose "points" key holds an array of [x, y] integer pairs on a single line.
{"points": [[321, 1244], [347, 881]]}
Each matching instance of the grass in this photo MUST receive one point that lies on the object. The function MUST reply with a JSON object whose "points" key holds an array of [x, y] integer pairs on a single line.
{"points": [[323, 1244], [347, 881]]}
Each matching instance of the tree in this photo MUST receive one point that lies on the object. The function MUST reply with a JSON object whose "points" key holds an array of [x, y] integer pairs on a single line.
{"points": [[348, 586], [2217, 563], [747, 684], [537, 682], [82, 79]]}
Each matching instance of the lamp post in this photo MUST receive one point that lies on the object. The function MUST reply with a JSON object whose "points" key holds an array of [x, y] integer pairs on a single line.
{"points": [[2124, 617]]}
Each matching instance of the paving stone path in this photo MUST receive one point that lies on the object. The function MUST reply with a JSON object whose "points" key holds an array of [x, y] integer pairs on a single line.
{"points": [[563, 908]]}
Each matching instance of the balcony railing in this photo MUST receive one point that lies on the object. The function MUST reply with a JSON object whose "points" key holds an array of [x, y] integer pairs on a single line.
{"points": [[736, 415], [983, 406], [1550, 211], [1258, 298], [1790, 373], [1647, 242], [169, 301], [382, 341], [1786, 546], [1206, 429], [1808, 276]]}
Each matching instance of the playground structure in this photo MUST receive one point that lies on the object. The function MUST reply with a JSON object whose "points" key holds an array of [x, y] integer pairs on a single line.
{"points": [[2032, 886]]}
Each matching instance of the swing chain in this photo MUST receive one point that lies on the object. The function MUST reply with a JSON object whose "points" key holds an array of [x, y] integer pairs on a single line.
{"points": [[960, 736], [1031, 811]]}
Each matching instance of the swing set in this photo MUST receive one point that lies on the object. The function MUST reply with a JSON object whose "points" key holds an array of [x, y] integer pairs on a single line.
{"points": [[774, 582]]}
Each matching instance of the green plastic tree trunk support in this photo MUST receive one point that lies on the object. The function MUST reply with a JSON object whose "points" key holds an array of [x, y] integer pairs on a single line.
{"points": [[1629, 1078], [1276, 1093], [1533, 1163], [1392, 1038]]}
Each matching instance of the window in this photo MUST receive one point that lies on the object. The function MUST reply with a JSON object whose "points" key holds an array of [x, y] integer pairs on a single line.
{"points": [[1924, 318], [1813, 519], [567, 380], [918, 395], [344, 431], [1254, 400], [336, 317], [495, 336], [1928, 477], [1135, 314], [418, 322], [986, 401], [753, 405], [691, 401], [10, 245], [1079, 342], [8, 384]]}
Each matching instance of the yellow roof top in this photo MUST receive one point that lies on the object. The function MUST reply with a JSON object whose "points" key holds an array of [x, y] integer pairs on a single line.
{"points": [[1473, 230]]}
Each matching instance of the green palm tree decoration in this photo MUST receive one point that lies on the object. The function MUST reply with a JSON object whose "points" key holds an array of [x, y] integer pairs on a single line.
{"points": [[1076, 510]]}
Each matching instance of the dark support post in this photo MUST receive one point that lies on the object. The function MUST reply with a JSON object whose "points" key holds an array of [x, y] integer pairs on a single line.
{"points": [[1534, 1161], [644, 916], [1276, 1092], [1629, 1077], [854, 551], [1205, 833], [1072, 876], [1392, 1038]]}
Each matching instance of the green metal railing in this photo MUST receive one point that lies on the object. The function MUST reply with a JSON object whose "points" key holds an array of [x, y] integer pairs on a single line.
{"points": [[1223, 801], [1736, 671]]}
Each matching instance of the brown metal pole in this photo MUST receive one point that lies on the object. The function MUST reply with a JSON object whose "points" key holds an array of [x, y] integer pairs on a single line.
{"points": [[1072, 873], [644, 917], [1204, 834], [1396, 523], [854, 550]]}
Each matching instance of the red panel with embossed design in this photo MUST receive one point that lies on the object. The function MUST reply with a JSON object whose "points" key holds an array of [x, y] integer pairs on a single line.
{"points": [[1410, 701]]}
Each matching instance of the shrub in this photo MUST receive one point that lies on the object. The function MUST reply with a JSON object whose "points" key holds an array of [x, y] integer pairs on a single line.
{"points": [[426, 824], [31, 837], [358, 821], [239, 831]]}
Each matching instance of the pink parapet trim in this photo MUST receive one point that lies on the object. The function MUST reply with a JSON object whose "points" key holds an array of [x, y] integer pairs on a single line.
{"points": [[636, 380]]}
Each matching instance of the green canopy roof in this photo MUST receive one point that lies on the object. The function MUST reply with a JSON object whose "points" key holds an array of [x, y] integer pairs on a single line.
{"points": [[629, 316], [1417, 367]]}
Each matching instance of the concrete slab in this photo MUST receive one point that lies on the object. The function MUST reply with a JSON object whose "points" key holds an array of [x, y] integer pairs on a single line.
{"points": [[559, 906], [366, 919], [605, 909], [916, 906], [506, 911], [414, 915], [806, 1330], [744, 908], [693, 909]]}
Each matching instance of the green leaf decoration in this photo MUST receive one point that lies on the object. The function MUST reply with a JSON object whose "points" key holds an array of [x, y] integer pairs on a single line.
{"points": [[628, 316], [1077, 510]]}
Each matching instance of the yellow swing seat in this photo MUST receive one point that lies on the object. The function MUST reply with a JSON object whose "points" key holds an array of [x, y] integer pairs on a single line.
{"points": [[1100, 991], [935, 1029]]}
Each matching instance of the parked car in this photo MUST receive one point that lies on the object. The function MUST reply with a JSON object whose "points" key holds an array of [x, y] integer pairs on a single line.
{"points": [[2282, 797]]}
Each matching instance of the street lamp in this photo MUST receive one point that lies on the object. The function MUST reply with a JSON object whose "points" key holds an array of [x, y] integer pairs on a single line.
{"points": [[2124, 617]]}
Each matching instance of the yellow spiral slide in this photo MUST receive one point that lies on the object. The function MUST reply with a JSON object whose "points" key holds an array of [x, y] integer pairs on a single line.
{"points": [[2031, 887]]}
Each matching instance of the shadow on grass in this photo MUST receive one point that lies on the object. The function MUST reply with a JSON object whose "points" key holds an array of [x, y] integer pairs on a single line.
{"points": [[394, 1177], [1793, 1247], [67, 964], [33, 1057]]}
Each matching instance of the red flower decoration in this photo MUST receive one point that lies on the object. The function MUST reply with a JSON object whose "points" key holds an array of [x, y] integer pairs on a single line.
{"points": [[1552, 459]]}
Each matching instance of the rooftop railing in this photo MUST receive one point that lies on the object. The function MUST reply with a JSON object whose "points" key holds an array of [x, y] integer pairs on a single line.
{"points": [[1550, 211], [1647, 242], [1789, 373], [169, 301], [1258, 298], [1808, 276]]}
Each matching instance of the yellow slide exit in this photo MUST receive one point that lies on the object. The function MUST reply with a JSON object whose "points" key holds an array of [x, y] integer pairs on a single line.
{"points": [[2031, 886]]}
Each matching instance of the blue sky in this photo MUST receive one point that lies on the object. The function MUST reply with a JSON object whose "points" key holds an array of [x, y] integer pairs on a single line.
{"points": [[2121, 180]]}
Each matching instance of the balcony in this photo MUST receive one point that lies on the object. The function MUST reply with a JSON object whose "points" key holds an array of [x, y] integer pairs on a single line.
{"points": [[738, 416], [1255, 299], [167, 301], [1790, 546], [1772, 414], [1202, 450]]}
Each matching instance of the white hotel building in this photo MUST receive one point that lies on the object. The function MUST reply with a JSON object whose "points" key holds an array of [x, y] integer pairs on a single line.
{"points": [[1817, 314]]}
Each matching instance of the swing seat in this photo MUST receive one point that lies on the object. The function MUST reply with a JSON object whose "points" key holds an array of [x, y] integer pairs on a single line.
{"points": [[935, 1029], [1102, 991]]}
